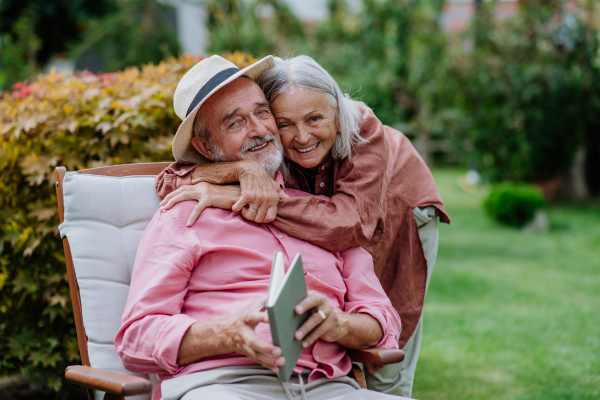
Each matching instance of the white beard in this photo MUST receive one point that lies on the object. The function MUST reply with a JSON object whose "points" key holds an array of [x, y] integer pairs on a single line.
{"points": [[270, 162]]}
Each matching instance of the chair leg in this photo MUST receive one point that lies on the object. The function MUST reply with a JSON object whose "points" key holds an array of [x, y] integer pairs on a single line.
{"points": [[358, 376], [110, 396]]}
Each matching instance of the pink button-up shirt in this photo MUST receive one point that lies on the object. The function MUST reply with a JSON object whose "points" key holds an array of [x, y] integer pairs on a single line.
{"points": [[219, 265]]}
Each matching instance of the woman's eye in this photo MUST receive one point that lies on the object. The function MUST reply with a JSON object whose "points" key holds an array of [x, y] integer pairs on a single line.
{"points": [[315, 119]]}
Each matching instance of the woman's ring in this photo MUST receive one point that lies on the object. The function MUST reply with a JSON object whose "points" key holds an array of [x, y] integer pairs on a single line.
{"points": [[322, 314], [252, 209]]}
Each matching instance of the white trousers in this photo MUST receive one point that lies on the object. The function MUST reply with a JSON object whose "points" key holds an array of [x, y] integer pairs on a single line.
{"points": [[398, 378], [258, 383]]}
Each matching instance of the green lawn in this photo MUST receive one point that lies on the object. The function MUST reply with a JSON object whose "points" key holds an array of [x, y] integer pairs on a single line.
{"points": [[512, 314]]}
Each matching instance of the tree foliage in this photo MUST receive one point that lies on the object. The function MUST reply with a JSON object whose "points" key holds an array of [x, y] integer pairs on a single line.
{"points": [[512, 97], [531, 91], [79, 121], [141, 32], [56, 24], [259, 27]]}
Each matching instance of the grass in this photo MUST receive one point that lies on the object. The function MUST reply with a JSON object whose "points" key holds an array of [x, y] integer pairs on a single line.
{"points": [[512, 314]]}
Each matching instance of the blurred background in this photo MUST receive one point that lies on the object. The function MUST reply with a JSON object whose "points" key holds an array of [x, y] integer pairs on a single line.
{"points": [[501, 99]]}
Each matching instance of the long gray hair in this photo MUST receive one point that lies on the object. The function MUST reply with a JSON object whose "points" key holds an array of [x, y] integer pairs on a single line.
{"points": [[303, 71]]}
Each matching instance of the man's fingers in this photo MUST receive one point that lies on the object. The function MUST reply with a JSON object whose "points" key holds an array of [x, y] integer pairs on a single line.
{"points": [[268, 359], [313, 300], [259, 303], [263, 352], [319, 331], [196, 213], [309, 325], [265, 349], [254, 317], [265, 361]]}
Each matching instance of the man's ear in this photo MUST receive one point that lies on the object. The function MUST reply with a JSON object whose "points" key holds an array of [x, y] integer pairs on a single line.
{"points": [[203, 147]]}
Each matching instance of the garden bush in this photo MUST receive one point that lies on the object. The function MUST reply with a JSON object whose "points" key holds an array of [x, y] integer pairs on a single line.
{"points": [[513, 204], [79, 121]]}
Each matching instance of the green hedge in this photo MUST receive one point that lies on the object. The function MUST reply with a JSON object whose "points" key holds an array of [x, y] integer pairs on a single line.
{"points": [[79, 121], [513, 204]]}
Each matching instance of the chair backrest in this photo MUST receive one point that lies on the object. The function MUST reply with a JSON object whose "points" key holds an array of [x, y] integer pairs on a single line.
{"points": [[103, 213]]}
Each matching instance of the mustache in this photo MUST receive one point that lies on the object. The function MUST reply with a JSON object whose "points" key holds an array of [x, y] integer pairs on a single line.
{"points": [[257, 142]]}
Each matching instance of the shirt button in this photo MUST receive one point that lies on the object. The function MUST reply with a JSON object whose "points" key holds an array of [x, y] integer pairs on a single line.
{"points": [[323, 168], [280, 236], [322, 184]]}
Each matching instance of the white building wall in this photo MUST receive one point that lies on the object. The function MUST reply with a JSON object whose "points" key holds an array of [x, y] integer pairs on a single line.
{"points": [[192, 31]]}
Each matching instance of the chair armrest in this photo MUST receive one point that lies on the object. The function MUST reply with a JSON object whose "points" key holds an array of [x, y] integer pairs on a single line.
{"points": [[376, 356], [111, 382]]}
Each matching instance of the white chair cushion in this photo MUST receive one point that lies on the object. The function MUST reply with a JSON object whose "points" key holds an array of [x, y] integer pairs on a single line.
{"points": [[104, 221]]}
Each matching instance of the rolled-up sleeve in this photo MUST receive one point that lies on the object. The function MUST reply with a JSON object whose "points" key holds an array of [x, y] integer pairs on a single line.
{"points": [[365, 295], [177, 174], [153, 324]]}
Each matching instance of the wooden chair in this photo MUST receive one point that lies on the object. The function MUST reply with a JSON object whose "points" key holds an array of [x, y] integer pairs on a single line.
{"points": [[87, 199]]}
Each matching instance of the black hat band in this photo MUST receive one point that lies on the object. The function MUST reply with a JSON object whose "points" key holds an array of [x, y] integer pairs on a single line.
{"points": [[210, 85]]}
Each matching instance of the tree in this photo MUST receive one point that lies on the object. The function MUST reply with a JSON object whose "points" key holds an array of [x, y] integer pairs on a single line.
{"points": [[57, 23]]}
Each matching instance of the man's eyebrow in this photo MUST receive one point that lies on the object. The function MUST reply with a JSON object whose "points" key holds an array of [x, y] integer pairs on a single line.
{"points": [[231, 114], [262, 104]]}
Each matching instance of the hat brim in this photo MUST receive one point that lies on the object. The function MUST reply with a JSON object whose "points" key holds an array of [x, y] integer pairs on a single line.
{"points": [[182, 143]]}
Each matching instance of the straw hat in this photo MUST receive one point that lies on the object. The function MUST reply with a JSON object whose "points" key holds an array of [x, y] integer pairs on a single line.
{"points": [[197, 85]]}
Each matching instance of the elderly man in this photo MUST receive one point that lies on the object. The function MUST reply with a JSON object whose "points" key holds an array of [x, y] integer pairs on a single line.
{"points": [[193, 315]]}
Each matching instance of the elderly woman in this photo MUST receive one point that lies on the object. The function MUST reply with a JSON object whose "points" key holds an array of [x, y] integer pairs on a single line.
{"points": [[382, 195]]}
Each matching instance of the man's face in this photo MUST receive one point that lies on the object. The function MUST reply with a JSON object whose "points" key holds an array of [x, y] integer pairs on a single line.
{"points": [[241, 126]]}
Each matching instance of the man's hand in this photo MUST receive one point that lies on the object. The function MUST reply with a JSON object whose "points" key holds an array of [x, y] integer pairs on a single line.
{"points": [[323, 323], [206, 194], [242, 339], [235, 334], [260, 193], [353, 331]]}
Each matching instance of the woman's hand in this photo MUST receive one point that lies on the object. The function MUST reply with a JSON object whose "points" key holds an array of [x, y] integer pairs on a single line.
{"points": [[260, 194], [206, 194]]}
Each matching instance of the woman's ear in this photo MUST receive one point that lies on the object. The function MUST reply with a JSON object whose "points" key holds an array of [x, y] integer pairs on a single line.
{"points": [[203, 147]]}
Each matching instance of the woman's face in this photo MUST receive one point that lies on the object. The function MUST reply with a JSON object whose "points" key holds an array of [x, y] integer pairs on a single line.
{"points": [[307, 125]]}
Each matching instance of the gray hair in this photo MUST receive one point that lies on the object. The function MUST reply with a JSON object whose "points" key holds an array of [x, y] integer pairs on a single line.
{"points": [[303, 71], [199, 129]]}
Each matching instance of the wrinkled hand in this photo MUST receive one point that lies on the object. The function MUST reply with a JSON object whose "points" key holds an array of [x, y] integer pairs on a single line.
{"points": [[243, 340], [330, 329], [207, 195], [260, 194]]}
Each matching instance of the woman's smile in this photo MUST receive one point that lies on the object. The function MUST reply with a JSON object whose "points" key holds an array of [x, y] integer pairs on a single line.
{"points": [[307, 125], [308, 149]]}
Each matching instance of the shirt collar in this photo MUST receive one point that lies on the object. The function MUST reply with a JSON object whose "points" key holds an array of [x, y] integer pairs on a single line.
{"points": [[327, 164], [279, 179]]}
